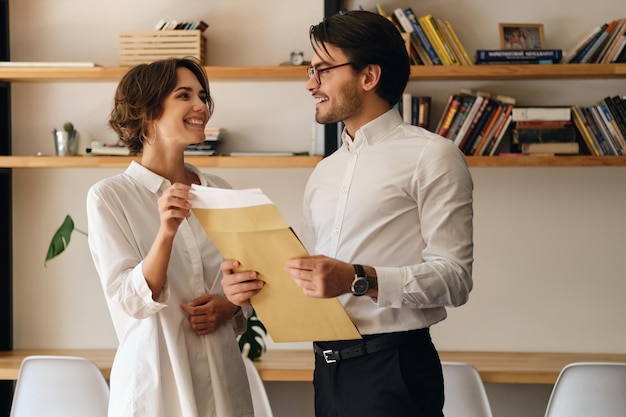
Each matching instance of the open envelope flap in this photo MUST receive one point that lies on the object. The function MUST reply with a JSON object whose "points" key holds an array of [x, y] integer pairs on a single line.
{"points": [[242, 219]]}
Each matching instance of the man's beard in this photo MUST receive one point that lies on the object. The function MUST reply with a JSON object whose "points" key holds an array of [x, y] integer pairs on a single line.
{"points": [[349, 105]]}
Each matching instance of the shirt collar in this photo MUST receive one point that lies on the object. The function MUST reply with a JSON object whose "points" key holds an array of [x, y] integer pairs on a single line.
{"points": [[154, 182], [374, 130]]}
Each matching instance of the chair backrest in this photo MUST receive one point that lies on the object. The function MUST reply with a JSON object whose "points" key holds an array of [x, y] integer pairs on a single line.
{"points": [[465, 394], [589, 389], [260, 401], [60, 386]]}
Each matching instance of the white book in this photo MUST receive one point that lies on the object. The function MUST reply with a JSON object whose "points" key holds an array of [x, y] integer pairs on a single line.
{"points": [[110, 150], [407, 107], [541, 113]]}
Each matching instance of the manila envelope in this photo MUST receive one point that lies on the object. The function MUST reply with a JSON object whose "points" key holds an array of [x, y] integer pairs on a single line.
{"points": [[260, 239]]}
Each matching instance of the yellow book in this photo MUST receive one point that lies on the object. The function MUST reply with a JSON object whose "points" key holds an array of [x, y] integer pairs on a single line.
{"points": [[453, 46], [434, 39], [458, 42], [446, 46]]}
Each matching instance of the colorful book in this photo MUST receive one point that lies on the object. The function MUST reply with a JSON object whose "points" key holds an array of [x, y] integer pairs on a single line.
{"points": [[495, 144], [451, 111], [434, 39], [583, 127], [589, 55], [493, 134], [421, 35], [576, 58], [446, 46]]}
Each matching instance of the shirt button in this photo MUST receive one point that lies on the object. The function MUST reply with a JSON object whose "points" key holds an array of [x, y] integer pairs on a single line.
{"points": [[344, 190], [336, 231]]}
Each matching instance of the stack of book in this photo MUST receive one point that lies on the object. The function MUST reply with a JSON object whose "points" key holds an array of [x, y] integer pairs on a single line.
{"points": [[415, 109], [518, 56], [433, 41], [603, 45], [603, 126], [212, 140], [544, 130], [476, 120]]}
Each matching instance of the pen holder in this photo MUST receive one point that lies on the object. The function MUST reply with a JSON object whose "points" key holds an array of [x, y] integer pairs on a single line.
{"points": [[65, 143]]}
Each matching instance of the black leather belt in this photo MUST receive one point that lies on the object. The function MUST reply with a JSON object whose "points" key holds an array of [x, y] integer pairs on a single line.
{"points": [[376, 344]]}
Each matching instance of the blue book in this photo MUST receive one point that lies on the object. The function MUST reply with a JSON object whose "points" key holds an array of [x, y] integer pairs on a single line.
{"points": [[521, 55], [421, 35]]}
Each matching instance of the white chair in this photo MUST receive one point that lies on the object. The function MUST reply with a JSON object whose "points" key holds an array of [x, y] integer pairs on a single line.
{"points": [[60, 386], [465, 394], [589, 389], [260, 401]]}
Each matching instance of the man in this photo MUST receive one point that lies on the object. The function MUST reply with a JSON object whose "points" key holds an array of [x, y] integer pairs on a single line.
{"points": [[388, 217]]}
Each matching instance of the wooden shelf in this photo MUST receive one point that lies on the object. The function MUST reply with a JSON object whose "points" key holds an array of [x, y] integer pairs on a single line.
{"points": [[432, 73], [123, 161], [296, 161]]}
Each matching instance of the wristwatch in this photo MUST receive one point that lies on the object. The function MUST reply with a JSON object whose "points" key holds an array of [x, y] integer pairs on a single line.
{"points": [[362, 283]]}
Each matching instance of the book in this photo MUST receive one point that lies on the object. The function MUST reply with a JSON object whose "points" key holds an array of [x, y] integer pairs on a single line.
{"points": [[407, 108], [608, 139], [541, 113], [513, 55], [466, 142], [434, 39], [593, 127], [571, 148], [407, 27], [597, 43], [613, 55], [499, 124], [466, 103], [612, 128], [585, 131], [611, 41], [458, 43], [561, 134], [576, 58], [471, 113], [423, 111], [578, 46], [451, 111], [614, 104], [498, 136], [444, 41], [421, 35], [483, 136], [109, 150]]}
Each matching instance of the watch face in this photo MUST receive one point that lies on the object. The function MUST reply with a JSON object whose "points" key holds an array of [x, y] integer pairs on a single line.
{"points": [[360, 286], [297, 58]]}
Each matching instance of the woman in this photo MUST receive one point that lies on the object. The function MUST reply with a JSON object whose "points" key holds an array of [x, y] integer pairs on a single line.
{"points": [[177, 354]]}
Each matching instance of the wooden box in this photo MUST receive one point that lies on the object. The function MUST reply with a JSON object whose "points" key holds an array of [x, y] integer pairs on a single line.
{"points": [[138, 47]]}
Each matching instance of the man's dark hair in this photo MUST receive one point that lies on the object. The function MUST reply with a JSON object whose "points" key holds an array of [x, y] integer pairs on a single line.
{"points": [[367, 38]]}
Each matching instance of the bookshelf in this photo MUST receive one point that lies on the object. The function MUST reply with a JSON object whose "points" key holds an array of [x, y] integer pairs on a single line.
{"points": [[286, 73]]}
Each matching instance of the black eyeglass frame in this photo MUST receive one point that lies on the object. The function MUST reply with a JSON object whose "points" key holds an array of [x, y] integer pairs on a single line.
{"points": [[315, 72]]}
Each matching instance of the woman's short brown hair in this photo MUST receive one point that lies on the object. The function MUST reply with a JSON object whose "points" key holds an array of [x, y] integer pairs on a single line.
{"points": [[140, 94]]}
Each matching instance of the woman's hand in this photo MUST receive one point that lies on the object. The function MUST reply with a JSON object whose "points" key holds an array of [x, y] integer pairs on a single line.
{"points": [[208, 312], [174, 207]]}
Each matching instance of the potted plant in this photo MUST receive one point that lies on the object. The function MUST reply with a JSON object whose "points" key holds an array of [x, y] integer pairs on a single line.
{"points": [[252, 337]]}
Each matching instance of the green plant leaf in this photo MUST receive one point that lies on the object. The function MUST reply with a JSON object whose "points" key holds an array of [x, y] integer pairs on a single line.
{"points": [[253, 337], [61, 239]]}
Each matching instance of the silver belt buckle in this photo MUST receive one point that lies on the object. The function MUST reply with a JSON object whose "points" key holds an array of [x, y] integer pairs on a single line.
{"points": [[327, 356]]}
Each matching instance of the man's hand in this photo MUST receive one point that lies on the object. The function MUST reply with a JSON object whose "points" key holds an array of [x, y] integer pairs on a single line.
{"points": [[320, 276]]}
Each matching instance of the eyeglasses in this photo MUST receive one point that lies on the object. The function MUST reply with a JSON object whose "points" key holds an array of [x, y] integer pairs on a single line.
{"points": [[315, 72]]}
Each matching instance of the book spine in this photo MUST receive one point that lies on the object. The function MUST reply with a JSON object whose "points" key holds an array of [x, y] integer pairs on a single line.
{"points": [[489, 125], [522, 54], [481, 120], [458, 42], [578, 46], [504, 114], [407, 27], [423, 116], [478, 101], [576, 58], [599, 122], [434, 39], [469, 135], [593, 128], [407, 105], [588, 56], [613, 129], [443, 113], [421, 35], [449, 116], [601, 57], [446, 46], [500, 135], [541, 113], [583, 128]]}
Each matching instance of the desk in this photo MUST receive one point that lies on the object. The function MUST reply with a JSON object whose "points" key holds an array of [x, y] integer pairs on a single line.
{"points": [[297, 365]]}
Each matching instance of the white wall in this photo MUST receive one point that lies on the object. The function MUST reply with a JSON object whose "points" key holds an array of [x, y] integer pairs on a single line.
{"points": [[549, 270]]}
